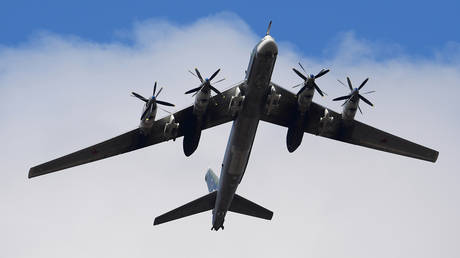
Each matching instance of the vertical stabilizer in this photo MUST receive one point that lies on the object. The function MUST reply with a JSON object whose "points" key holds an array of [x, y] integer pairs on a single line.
{"points": [[211, 180]]}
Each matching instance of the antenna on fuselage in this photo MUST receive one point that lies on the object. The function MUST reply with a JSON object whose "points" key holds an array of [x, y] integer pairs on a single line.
{"points": [[269, 26]]}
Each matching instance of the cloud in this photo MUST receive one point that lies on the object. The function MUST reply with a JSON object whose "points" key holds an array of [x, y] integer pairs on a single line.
{"points": [[61, 93], [347, 47]]}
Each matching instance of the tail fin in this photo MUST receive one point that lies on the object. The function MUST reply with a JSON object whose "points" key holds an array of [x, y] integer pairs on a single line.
{"points": [[211, 180], [202, 204], [246, 207], [207, 202]]}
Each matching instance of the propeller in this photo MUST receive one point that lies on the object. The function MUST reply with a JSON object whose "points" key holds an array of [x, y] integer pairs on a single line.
{"points": [[205, 85], [355, 92], [151, 102], [309, 80]]}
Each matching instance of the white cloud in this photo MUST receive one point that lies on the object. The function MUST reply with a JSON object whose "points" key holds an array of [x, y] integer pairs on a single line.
{"points": [[59, 94]]}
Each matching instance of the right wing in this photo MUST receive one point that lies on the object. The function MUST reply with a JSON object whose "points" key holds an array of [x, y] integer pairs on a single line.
{"points": [[353, 132], [217, 113]]}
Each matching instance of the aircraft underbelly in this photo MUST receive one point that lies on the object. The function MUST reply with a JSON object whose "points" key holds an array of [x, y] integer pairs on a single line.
{"points": [[245, 131], [242, 136]]}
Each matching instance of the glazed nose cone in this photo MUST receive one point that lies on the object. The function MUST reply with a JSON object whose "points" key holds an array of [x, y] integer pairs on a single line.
{"points": [[267, 46]]}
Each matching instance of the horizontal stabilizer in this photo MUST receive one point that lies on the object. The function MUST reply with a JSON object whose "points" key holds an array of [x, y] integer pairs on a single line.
{"points": [[246, 207], [202, 204]]}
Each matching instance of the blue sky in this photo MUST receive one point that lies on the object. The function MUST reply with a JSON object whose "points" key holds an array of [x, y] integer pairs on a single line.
{"points": [[419, 28]]}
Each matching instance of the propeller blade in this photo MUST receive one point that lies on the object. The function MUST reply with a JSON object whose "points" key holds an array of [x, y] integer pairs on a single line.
{"points": [[194, 90], [159, 92], [193, 74], [344, 103], [322, 72], [298, 85], [164, 103], [302, 67], [360, 110], [223, 79], [299, 74], [349, 84], [341, 82], [341, 98], [215, 90], [365, 100], [134, 94], [154, 88], [199, 75], [318, 89], [164, 110], [362, 84], [214, 74], [369, 92]]}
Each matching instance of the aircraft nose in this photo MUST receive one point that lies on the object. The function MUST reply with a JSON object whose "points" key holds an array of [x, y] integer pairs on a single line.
{"points": [[267, 46]]}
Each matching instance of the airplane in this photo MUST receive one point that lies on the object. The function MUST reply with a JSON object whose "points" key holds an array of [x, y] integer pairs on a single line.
{"points": [[255, 99]]}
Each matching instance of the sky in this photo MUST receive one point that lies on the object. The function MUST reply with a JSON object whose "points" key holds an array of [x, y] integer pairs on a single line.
{"points": [[66, 72], [418, 27]]}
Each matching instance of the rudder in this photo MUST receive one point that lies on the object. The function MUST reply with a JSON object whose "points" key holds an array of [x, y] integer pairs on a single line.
{"points": [[211, 180]]}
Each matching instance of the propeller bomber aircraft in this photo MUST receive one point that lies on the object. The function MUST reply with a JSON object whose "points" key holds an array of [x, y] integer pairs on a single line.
{"points": [[256, 98]]}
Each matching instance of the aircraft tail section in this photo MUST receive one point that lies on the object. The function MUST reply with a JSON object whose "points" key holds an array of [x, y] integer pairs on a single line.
{"points": [[246, 207], [199, 205], [211, 180], [208, 202]]}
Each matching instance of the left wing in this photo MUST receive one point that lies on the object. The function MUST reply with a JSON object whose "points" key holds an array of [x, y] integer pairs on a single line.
{"points": [[353, 131], [217, 113]]}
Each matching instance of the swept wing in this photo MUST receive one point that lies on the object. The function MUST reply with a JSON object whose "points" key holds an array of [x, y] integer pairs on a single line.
{"points": [[353, 132], [217, 113]]}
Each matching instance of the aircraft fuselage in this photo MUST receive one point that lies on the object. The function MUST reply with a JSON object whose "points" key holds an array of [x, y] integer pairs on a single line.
{"points": [[245, 126]]}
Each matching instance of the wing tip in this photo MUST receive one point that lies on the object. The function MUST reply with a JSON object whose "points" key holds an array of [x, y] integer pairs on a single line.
{"points": [[31, 173], [158, 220], [435, 156], [37, 171], [270, 216]]}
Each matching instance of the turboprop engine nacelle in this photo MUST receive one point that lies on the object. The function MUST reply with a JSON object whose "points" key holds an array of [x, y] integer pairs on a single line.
{"points": [[201, 102], [203, 92], [149, 113], [273, 100], [352, 100], [171, 128], [350, 108], [304, 99]]}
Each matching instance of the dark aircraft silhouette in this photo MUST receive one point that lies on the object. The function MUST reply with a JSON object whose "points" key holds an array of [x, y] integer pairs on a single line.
{"points": [[253, 100]]}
